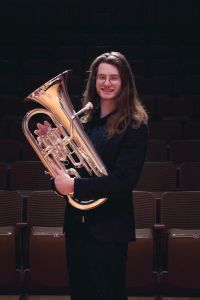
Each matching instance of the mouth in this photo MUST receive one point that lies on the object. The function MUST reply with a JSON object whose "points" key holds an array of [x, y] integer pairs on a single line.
{"points": [[107, 90]]}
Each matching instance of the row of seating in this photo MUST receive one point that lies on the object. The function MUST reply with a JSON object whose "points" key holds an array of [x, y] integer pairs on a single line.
{"points": [[155, 176], [176, 151], [85, 46], [113, 16], [160, 107], [170, 130], [163, 260], [151, 14], [141, 67], [180, 108], [156, 85], [167, 130]]}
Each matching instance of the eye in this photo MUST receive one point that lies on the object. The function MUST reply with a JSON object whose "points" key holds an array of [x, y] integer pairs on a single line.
{"points": [[101, 77], [114, 77]]}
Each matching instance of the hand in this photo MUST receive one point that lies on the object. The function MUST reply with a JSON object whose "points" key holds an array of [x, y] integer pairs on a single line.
{"points": [[64, 184], [42, 128]]}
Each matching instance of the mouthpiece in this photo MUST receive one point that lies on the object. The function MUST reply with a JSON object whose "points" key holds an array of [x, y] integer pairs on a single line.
{"points": [[88, 106]]}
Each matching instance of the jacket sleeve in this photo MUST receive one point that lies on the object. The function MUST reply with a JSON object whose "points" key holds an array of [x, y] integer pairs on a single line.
{"points": [[124, 176]]}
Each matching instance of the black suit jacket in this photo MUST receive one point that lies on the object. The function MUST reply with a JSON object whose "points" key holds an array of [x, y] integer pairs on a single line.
{"points": [[123, 155]]}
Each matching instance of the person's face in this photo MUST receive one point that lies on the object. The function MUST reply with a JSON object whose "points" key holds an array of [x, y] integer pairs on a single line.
{"points": [[108, 82]]}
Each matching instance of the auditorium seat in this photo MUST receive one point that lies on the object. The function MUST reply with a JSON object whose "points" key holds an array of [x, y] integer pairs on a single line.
{"points": [[94, 50], [9, 150], [4, 129], [36, 66], [44, 244], [133, 51], [10, 84], [190, 66], [138, 67], [197, 107], [11, 51], [61, 65], [141, 278], [157, 85], [189, 84], [10, 248], [174, 108], [11, 104], [162, 51], [157, 177], [189, 175], [69, 52], [184, 150], [28, 154], [192, 130], [3, 175], [8, 66], [180, 213], [188, 51], [165, 130], [163, 67], [156, 150], [74, 85], [31, 82], [37, 51], [15, 127], [149, 104], [28, 175]]}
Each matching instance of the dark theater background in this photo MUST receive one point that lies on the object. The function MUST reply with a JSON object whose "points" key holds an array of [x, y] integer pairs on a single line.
{"points": [[161, 39]]}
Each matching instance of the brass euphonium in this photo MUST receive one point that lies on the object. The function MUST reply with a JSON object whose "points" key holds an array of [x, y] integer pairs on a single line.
{"points": [[67, 141]]}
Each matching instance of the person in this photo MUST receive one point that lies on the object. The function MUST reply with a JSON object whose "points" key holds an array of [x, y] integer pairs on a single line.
{"points": [[97, 240]]}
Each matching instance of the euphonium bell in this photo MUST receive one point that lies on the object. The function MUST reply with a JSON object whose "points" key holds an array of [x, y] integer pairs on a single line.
{"points": [[67, 141]]}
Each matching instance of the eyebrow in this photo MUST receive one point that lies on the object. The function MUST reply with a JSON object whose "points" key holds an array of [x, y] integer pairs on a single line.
{"points": [[108, 74]]}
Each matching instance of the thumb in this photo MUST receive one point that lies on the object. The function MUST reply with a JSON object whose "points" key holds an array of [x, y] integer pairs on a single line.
{"points": [[56, 169]]}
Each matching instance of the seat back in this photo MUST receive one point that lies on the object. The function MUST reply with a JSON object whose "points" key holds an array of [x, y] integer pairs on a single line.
{"points": [[45, 254], [157, 176], [140, 264], [180, 213], [189, 174], [28, 175], [10, 246]]}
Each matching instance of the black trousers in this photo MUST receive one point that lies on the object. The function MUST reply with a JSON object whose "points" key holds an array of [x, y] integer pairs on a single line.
{"points": [[96, 269]]}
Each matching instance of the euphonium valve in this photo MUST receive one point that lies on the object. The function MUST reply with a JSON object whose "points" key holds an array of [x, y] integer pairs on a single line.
{"points": [[66, 143]]}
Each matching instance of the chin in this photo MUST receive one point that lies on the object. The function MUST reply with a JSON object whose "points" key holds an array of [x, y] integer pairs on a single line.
{"points": [[108, 97]]}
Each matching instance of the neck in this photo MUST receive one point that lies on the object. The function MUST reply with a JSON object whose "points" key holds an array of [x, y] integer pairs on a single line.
{"points": [[107, 107]]}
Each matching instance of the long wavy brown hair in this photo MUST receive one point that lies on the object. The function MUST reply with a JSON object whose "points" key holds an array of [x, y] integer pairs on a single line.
{"points": [[128, 105]]}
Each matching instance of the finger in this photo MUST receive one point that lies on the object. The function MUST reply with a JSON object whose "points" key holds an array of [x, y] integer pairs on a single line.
{"points": [[43, 129], [56, 169], [39, 140], [39, 125], [47, 125], [37, 132]]}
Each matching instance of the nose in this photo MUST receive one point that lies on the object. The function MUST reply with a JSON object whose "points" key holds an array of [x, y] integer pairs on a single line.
{"points": [[107, 81]]}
